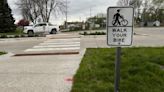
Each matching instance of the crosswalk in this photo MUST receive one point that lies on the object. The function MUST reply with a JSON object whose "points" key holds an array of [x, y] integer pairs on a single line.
{"points": [[56, 44]]}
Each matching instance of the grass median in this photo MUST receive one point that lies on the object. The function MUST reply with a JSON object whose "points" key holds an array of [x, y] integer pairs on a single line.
{"points": [[142, 70]]}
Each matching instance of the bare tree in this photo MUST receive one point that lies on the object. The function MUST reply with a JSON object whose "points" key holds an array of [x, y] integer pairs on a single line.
{"points": [[134, 3], [158, 3], [32, 9], [29, 9], [123, 2], [47, 7]]}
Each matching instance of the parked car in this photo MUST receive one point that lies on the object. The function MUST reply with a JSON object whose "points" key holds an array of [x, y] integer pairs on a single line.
{"points": [[41, 28]]}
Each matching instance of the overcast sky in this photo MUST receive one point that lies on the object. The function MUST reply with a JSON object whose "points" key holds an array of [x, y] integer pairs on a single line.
{"points": [[78, 9]]}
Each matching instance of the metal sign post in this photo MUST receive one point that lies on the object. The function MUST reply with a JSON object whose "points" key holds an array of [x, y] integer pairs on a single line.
{"points": [[117, 69], [119, 33]]}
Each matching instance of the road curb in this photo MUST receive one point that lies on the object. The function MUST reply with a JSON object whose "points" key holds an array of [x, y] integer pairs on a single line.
{"points": [[26, 38], [41, 54], [141, 34]]}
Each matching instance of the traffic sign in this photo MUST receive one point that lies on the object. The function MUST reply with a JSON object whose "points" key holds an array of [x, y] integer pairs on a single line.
{"points": [[120, 26]]}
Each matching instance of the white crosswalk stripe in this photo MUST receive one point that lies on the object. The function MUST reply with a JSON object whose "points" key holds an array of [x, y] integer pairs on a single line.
{"points": [[51, 49], [59, 43], [55, 46], [62, 44]]}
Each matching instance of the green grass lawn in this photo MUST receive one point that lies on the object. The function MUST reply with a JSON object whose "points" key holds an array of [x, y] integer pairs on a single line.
{"points": [[1, 53], [140, 70]]}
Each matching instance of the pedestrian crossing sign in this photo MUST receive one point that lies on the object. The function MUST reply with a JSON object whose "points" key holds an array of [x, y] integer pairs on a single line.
{"points": [[120, 26]]}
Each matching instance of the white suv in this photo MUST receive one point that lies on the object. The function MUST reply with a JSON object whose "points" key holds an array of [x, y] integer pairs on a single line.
{"points": [[44, 28]]}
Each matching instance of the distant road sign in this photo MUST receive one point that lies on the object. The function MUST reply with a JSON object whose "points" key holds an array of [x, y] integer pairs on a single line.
{"points": [[120, 26]]}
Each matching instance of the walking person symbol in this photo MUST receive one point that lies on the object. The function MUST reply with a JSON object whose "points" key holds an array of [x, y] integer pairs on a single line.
{"points": [[117, 19]]}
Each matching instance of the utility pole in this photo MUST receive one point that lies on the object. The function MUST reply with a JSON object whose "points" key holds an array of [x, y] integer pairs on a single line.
{"points": [[91, 21], [90, 12], [66, 24]]}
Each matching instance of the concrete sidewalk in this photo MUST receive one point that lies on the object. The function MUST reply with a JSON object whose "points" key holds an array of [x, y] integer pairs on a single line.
{"points": [[39, 74]]}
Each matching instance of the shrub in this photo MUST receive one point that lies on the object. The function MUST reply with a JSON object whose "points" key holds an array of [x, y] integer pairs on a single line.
{"points": [[17, 36], [85, 33], [23, 22], [23, 35], [3, 36]]}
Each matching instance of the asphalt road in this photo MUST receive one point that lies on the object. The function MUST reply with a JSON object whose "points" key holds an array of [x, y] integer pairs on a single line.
{"points": [[147, 37], [19, 44]]}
